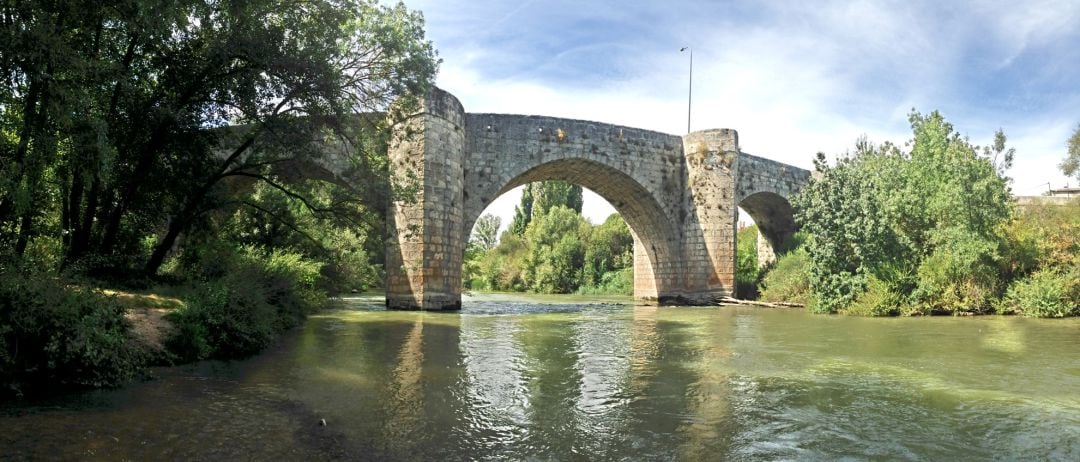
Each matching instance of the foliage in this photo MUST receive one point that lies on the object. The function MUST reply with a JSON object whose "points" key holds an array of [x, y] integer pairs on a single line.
{"points": [[1001, 157], [551, 194], [877, 300], [618, 282], [921, 225], [560, 252], [485, 232], [1043, 261], [501, 268], [55, 334], [539, 198], [243, 302], [556, 255], [1071, 165], [789, 279], [523, 211], [133, 121], [270, 219], [747, 272], [610, 248], [235, 144], [1047, 293]]}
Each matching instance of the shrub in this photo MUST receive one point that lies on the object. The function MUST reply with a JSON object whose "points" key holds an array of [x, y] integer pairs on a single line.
{"points": [[1044, 294], [56, 335], [877, 300], [247, 299], [747, 272], [619, 282], [934, 210], [789, 279], [961, 275]]}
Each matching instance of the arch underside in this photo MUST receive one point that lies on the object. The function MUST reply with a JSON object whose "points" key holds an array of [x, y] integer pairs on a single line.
{"points": [[775, 219], [653, 230]]}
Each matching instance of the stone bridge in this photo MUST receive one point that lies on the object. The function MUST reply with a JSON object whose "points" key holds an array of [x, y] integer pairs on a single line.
{"points": [[678, 194]]}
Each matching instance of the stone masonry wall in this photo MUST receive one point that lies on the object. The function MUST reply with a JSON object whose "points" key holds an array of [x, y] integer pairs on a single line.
{"points": [[677, 194], [709, 236], [426, 245]]}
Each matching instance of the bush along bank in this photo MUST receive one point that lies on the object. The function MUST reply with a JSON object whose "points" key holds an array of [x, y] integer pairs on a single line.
{"points": [[244, 300], [58, 334], [55, 335], [929, 230]]}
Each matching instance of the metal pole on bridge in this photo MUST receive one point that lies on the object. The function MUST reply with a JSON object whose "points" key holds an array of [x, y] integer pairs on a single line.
{"points": [[690, 91]]}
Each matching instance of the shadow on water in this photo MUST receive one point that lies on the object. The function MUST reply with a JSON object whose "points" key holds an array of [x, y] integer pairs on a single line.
{"points": [[588, 379]]}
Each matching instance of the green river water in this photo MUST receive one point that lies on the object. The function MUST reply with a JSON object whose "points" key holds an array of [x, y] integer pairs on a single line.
{"points": [[573, 378]]}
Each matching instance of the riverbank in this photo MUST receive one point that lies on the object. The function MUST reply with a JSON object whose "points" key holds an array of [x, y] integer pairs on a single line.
{"points": [[60, 334]]}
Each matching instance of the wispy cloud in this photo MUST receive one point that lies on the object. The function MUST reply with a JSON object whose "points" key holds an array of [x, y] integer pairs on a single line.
{"points": [[793, 78]]}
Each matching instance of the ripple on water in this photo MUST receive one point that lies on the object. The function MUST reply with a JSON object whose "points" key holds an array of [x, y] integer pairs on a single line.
{"points": [[517, 380]]}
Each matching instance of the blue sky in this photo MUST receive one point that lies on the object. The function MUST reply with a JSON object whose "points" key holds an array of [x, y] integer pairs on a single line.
{"points": [[793, 77]]}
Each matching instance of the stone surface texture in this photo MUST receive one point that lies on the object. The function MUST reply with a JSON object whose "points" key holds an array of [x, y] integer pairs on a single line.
{"points": [[679, 195]]}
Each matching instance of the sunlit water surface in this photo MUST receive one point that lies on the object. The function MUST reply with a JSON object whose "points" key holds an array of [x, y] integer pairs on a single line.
{"points": [[514, 378]]}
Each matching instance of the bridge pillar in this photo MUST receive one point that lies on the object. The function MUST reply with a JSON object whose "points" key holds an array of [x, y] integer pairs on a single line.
{"points": [[710, 224], [425, 245]]}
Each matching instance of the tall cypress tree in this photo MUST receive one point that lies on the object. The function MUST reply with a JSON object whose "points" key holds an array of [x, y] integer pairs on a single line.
{"points": [[523, 211]]}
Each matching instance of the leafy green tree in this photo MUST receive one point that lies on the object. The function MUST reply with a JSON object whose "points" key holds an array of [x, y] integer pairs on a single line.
{"points": [[747, 273], [1071, 165], [920, 226], [1000, 156], [485, 231], [556, 242], [610, 248], [549, 194], [123, 109], [538, 198]]}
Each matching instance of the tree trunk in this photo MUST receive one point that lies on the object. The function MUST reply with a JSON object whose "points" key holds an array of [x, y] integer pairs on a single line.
{"points": [[182, 220], [176, 226]]}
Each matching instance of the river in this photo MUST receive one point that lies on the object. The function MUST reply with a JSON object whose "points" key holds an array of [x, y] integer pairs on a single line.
{"points": [[576, 378]]}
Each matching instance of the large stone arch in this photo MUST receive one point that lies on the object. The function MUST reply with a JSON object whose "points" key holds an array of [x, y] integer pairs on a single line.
{"points": [[677, 193], [656, 238]]}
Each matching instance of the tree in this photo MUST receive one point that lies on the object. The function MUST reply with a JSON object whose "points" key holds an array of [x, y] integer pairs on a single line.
{"points": [[918, 230], [549, 194], [1000, 156], [523, 211], [610, 248], [538, 198], [556, 242], [1071, 165], [485, 231], [148, 116]]}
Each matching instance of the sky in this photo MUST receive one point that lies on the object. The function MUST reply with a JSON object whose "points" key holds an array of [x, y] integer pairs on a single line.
{"points": [[792, 77]]}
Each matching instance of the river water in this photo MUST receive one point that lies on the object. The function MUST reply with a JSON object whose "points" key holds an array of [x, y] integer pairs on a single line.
{"points": [[517, 378]]}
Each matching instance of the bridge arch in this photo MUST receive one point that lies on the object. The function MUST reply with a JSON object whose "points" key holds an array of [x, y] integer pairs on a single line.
{"points": [[652, 228], [775, 220], [763, 191], [678, 194]]}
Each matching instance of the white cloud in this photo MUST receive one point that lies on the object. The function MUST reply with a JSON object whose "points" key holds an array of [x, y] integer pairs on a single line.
{"points": [[792, 78]]}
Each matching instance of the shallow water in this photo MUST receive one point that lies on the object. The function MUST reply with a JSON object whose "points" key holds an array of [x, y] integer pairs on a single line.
{"points": [[573, 378]]}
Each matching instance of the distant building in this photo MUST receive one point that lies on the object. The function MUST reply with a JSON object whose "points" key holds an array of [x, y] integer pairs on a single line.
{"points": [[1064, 192]]}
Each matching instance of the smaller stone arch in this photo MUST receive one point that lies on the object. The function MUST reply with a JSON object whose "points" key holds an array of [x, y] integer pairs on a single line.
{"points": [[775, 219], [763, 187]]}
